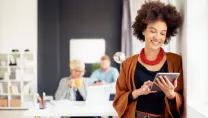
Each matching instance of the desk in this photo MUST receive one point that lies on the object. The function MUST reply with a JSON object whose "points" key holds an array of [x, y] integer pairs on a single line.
{"points": [[75, 109]]}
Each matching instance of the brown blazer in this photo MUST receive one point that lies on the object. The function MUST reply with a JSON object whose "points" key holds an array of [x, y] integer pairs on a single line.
{"points": [[125, 84]]}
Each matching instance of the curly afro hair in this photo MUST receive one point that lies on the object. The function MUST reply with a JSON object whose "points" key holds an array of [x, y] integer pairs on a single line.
{"points": [[153, 11]]}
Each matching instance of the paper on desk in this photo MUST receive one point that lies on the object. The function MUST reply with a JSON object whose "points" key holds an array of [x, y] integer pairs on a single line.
{"points": [[61, 102], [64, 107]]}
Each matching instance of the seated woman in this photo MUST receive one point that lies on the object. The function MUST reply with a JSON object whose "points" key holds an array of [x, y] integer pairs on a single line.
{"points": [[154, 24], [67, 88]]}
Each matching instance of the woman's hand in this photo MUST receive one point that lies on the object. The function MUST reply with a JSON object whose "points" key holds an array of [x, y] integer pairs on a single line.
{"points": [[71, 83], [99, 83], [144, 90], [166, 86]]}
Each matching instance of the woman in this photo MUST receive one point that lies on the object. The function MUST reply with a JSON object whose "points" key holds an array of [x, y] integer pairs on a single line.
{"points": [[154, 24], [67, 88]]}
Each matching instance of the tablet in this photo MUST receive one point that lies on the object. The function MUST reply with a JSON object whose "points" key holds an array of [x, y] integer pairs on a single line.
{"points": [[170, 76]]}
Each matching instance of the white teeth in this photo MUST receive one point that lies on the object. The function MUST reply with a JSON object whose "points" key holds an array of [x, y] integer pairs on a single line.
{"points": [[155, 43]]}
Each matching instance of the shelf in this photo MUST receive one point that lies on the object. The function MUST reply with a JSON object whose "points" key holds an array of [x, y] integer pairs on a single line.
{"points": [[25, 106], [3, 81], [27, 53], [4, 94], [3, 66], [14, 67], [15, 94], [28, 67], [23, 74], [14, 80], [16, 108], [27, 80], [15, 53], [3, 53], [30, 94]]}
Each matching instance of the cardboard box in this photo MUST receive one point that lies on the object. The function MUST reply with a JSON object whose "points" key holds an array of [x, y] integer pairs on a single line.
{"points": [[3, 103], [15, 103]]}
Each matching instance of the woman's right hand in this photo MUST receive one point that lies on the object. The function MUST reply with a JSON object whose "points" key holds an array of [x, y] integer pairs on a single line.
{"points": [[71, 83], [144, 90]]}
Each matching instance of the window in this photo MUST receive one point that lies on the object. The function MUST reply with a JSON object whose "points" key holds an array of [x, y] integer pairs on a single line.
{"points": [[87, 50]]}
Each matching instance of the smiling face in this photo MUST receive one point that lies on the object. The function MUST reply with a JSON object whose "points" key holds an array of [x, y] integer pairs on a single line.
{"points": [[155, 34]]}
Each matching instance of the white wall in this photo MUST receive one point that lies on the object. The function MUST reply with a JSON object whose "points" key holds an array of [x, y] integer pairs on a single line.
{"points": [[193, 45], [197, 28], [197, 82], [18, 24], [135, 5], [18, 29], [181, 45], [192, 113]]}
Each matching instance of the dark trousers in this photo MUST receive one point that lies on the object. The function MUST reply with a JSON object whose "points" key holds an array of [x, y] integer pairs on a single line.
{"points": [[111, 99]]}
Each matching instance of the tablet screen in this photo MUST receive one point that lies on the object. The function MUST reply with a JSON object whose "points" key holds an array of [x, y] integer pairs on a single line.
{"points": [[170, 76]]}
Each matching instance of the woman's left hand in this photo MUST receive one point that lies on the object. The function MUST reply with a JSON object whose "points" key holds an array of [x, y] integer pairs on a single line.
{"points": [[166, 86]]}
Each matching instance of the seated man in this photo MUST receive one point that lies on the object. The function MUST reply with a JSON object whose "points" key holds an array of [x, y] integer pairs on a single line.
{"points": [[105, 74], [67, 89]]}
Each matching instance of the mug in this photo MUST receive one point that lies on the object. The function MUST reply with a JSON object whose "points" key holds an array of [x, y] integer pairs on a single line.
{"points": [[77, 82]]}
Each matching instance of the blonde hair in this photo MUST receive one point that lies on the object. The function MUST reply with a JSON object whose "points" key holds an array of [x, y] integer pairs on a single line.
{"points": [[76, 63], [105, 57]]}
